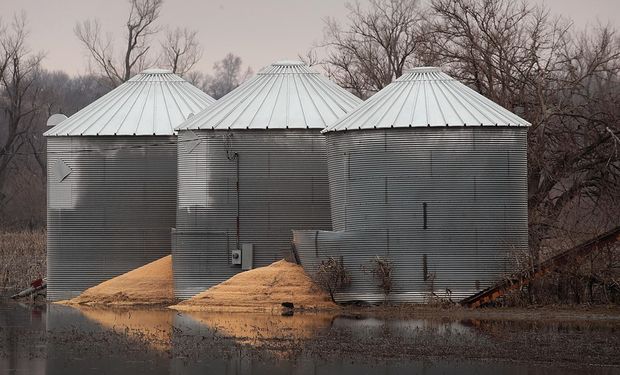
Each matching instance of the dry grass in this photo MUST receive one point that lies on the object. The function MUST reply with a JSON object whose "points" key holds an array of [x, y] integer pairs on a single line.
{"points": [[594, 280], [22, 258]]}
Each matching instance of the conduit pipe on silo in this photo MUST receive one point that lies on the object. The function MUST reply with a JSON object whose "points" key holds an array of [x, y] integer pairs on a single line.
{"points": [[238, 204], [235, 156]]}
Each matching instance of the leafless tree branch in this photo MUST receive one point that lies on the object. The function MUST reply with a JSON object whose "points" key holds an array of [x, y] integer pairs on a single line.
{"points": [[181, 50], [140, 26]]}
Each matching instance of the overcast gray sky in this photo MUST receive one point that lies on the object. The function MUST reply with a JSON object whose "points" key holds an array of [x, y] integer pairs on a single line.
{"points": [[260, 31]]}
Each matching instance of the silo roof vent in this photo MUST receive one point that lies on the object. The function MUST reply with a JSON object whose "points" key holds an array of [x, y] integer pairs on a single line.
{"points": [[426, 97], [423, 69], [156, 71], [287, 94], [153, 102], [288, 63], [55, 119]]}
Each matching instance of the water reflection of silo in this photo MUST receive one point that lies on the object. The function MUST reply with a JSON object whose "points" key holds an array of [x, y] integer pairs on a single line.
{"points": [[104, 341], [21, 349]]}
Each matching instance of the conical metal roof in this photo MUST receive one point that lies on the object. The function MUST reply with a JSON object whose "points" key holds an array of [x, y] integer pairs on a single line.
{"points": [[284, 95], [427, 97], [153, 102]]}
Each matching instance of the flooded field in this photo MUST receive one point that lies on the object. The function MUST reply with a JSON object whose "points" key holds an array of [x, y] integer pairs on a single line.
{"points": [[56, 339]]}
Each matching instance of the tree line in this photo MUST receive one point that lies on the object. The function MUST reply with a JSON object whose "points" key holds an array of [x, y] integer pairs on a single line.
{"points": [[29, 93], [562, 79]]}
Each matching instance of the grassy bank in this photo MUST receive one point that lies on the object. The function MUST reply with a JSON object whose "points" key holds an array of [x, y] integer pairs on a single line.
{"points": [[22, 258]]}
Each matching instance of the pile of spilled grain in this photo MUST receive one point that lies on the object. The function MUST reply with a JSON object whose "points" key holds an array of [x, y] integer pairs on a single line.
{"points": [[150, 284], [262, 290]]}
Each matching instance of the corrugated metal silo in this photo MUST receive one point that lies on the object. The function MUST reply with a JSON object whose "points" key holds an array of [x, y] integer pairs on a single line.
{"points": [[432, 176], [251, 168], [112, 181]]}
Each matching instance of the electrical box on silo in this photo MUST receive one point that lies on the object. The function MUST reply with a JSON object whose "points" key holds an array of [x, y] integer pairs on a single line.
{"points": [[247, 255], [235, 257]]}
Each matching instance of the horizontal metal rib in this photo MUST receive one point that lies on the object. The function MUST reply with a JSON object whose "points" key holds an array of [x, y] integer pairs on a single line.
{"points": [[112, 213], [283, 185], [473, 184]]}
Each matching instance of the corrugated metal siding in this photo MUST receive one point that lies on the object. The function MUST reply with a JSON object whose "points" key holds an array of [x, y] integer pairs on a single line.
{"points": [[112, 213], [283, 185], [473, 181]]}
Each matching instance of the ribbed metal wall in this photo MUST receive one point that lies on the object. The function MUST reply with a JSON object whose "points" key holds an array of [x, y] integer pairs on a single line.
{"points": [[112, 213], [282, 185], [473, 182]]}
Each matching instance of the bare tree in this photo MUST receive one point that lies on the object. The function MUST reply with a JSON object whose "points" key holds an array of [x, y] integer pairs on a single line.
{"points": [[501, 48], [567, 85], [574, 162], [311, 57], [195, 78], [23, 187], [181, 50], [19, 70], [140, 26], [228, 76], [332, 276], [381, 270], [375, 45], [28, 95]]}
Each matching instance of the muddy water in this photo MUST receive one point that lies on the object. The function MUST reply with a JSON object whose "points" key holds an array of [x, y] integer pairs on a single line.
{"points": [[63, 340]]}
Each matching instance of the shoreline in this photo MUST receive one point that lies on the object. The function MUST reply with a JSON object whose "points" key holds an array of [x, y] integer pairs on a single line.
{"points": [[543, 313], [569, 336]]}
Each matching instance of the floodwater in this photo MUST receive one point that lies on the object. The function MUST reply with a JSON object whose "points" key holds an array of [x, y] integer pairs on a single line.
{"points": [[54, 339]]}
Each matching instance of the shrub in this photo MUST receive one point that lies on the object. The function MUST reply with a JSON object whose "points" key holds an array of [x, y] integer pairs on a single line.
{"points": [[381, 270], [332, 276]]}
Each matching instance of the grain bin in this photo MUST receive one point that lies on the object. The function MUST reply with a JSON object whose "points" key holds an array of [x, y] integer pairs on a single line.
{"points": [[251, 168], [432, 176], [112, 181]]}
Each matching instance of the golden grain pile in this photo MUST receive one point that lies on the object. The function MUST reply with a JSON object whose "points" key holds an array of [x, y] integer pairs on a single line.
{"points": [[150, 284], [262, 290]]}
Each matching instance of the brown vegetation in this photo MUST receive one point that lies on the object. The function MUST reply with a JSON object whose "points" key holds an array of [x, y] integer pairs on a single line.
{"points": [[381, 270], [592, 280], [22, 259], [332, 276]]}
